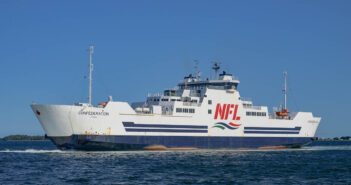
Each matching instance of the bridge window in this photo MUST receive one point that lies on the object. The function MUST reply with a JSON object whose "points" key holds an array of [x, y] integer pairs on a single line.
{"points": [[170, 93]]}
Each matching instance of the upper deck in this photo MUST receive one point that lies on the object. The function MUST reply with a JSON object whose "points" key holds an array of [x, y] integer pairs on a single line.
{"points": [[224, 81]]}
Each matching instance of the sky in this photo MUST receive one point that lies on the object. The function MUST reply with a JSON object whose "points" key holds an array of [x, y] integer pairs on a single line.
{"points": [[145, 47]]}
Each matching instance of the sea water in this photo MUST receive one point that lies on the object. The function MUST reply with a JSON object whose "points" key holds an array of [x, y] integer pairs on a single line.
{"points": [[39, 162]]}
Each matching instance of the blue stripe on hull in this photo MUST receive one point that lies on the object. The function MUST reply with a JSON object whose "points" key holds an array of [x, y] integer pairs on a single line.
{"points": [[132, 124], [165, 130], [271, 128], [269, 132], [101, 142]]}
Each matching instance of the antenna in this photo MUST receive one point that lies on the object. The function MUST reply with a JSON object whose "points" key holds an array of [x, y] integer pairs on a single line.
{"points": [[284, 90], [216, 66], [197, 72], [91, 50]]}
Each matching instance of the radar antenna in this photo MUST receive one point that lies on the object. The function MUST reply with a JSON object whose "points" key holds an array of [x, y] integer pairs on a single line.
{"points": [[197, 72], [216, 67], [91, 49]]}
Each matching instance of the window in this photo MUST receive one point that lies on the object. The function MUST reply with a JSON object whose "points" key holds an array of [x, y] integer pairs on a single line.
{"points": [[194, 101], [179, 110], [185, 110], [164, 99], [209, 111], [210, 102], [173, 99], [191, 110], [256, 114]]}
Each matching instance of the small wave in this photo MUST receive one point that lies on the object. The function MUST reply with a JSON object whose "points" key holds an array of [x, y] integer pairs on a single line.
{"points": [[30, 151], [339, 147]]}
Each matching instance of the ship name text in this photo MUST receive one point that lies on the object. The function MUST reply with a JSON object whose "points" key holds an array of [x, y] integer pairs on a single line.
{"points": [[93, 113]]}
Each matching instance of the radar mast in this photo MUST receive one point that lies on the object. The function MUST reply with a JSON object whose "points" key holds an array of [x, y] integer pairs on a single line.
{"points": [[216, 67], [91, 50], [284, 112], [197, 72], [285, 75]]}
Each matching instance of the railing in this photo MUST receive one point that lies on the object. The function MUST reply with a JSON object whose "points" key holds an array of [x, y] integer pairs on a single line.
{"points": [[154, 95], [217, 87], [253, 107], [245, 99], [191, 104]]}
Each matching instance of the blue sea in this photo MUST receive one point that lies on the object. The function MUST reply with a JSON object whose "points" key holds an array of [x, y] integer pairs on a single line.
{"points": [[39, 162]]}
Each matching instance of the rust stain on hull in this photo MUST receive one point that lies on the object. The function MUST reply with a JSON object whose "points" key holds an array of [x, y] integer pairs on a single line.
{"points": [[155, 147], [271, 147], [161, 147]]}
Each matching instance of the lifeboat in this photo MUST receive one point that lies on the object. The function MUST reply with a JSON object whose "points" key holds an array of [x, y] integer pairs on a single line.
{"points": [[102, 104], [283, 113]]}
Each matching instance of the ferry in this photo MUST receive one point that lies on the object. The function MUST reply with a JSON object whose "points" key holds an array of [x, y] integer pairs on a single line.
{"points": [[197, 114]]}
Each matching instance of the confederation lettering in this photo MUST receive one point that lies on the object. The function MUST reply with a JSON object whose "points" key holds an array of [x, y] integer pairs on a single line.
{"points": [[91, 113]]}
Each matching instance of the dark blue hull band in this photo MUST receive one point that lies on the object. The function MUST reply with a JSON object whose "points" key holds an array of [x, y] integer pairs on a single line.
{"points": [[165, 130], [269, 132], [271, 128], [103, 142], [132, 124]]}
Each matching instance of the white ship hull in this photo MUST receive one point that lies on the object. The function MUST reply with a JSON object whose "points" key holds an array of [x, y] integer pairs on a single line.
{"points": [[118, 126]]}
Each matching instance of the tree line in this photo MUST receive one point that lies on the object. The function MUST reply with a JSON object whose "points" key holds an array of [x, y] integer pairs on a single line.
{"points": [[22, 137]]}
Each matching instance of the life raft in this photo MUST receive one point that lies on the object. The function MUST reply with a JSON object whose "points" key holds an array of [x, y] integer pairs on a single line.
{"points": [[283, 113]]}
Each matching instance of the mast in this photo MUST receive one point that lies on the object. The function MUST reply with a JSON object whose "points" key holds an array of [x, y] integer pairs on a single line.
{"points": [[216, 66], [197, 72], [91, 48], [285, 74]]}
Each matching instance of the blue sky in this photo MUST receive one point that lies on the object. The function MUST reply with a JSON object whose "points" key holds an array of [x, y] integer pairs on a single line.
{"points": [[146, 46]]}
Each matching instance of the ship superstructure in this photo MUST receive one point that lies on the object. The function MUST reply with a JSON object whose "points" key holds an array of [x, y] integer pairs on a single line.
{"points": [[197, 114]]}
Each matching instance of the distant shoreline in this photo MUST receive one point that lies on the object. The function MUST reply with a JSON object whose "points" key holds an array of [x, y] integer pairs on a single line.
{"points": [[343, 138], [23, 138]]}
